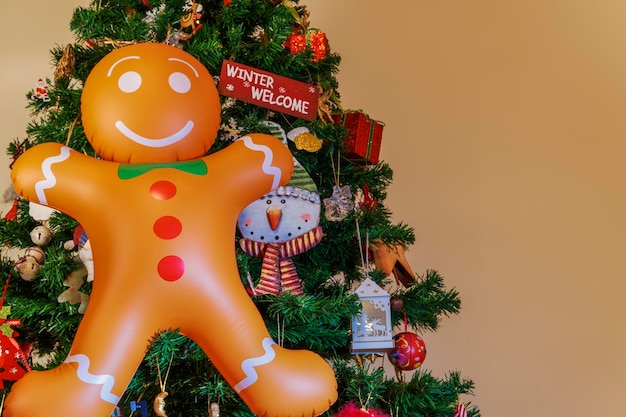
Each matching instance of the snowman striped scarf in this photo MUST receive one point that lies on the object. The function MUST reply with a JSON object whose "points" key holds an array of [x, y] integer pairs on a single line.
{"points": [[278, 272]]}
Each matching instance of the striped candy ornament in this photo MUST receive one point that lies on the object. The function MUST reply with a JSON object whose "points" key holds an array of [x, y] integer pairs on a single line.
{"points": [[460, 410]]}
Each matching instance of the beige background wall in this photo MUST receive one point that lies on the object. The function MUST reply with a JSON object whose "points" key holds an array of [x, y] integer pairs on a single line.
{"points": [[505, 128]]}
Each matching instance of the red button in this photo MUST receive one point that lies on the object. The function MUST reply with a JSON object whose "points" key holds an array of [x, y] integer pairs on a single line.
{"points": [[171, 268], [162, 190], [167, 227]]}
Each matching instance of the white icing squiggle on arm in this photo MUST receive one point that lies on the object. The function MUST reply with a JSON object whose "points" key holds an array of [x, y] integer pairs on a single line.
{"points": [[50, 179], [107, 381], [249, 364], [268, 168]]}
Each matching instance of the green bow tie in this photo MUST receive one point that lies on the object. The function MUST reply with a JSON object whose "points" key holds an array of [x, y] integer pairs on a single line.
{"points": [[129, 171]]}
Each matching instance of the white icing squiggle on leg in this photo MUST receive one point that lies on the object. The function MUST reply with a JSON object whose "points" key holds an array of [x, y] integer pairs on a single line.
{"points": [[249, 364], [267, 167], [107, 381], [50, 179]]}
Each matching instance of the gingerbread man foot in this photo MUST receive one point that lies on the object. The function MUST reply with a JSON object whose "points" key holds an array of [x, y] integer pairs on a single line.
{"points": [[285, 383], [60, 392]]}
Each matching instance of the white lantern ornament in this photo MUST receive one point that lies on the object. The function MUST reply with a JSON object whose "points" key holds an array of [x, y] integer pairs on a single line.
{"points": [[371, 329]]}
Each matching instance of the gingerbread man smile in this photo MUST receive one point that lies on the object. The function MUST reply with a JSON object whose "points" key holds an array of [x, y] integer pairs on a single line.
{"points": [[152, 112], [154, 143]]}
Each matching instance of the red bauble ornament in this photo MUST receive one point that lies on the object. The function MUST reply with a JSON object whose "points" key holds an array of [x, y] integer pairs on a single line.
{"points": [[351, 410], [409, 353]]}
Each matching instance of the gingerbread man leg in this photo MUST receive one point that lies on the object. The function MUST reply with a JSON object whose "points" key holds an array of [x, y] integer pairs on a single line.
{"points": [[273, 381], [91, 380]]}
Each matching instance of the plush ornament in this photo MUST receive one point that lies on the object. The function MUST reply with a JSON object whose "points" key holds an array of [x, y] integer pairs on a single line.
{"points": [[279, 226], [352, 410], [41, 90], [81, 241], [409, 352], [366, 200], [390, 259], [339, 205], [72, 294]]}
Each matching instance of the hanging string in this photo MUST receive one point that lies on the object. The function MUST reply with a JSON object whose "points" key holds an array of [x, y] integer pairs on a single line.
{"points": [[6, 284], [163, 382], [358, 236], [406, 321], [159, 400], [337, 169], [70, 131], [280, 332]]}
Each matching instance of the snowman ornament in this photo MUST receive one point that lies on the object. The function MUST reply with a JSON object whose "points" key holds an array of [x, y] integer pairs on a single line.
{"points": [[279, 225]]}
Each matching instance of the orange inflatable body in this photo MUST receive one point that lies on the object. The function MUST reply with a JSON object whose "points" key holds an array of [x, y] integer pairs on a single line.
{"points": [[161, 220]]}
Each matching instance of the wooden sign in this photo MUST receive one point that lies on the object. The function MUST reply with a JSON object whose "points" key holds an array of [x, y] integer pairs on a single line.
{"points": [[268, 90]]}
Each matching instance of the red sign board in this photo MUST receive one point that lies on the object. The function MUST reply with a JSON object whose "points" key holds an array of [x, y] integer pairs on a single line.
{"points": [[269, 90]]}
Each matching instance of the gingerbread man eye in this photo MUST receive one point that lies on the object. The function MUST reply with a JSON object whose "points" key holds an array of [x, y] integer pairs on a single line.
{"points": [[179, 82], [129, 82]]}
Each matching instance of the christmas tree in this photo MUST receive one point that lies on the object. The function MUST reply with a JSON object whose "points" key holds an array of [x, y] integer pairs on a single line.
{"points": [[331, 277]]}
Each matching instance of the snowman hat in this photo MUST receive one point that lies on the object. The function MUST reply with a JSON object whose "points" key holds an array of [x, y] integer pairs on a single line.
{"points": [[301, 184]]}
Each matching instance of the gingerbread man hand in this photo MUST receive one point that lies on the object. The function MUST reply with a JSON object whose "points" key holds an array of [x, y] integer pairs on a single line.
{"points": [[151, 112]]}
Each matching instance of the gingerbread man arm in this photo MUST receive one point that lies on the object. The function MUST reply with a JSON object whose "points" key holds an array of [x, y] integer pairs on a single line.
{"points": [[57, 176], [262, 163]]}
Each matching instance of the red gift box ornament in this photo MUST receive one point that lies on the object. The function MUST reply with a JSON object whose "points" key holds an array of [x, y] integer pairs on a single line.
{"points": [[364, 136], [314, 39]]}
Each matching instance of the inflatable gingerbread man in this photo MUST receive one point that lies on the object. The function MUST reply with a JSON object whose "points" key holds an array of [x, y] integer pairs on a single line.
{"points": [[161, 219]]}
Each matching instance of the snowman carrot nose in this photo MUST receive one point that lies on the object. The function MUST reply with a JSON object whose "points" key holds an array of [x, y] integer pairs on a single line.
{"points": [[273, 216]]}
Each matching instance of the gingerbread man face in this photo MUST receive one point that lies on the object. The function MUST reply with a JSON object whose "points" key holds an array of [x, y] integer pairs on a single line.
{"points": [[146, 103]]}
